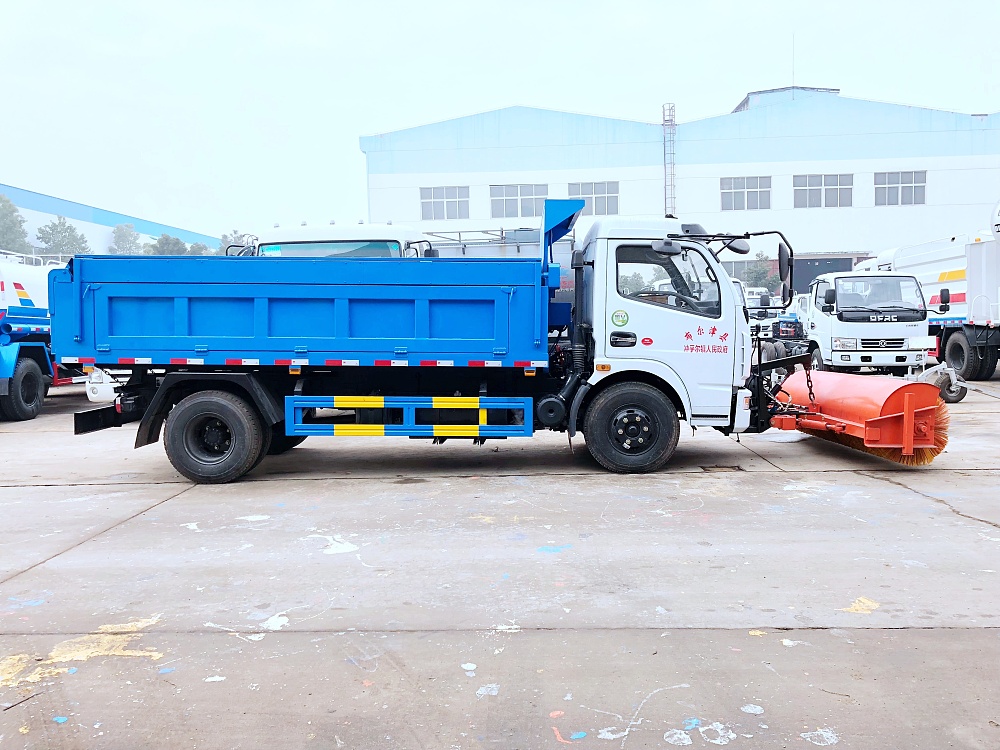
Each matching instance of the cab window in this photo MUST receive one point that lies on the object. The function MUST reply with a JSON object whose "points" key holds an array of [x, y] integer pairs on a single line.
{"points": [[682, 282], [820, 294]]}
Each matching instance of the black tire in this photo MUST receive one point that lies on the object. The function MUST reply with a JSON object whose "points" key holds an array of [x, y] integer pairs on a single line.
{"points": [[780, 352], [990, 356], [817, 360], [27, 392], [952, 395], [962, 356], [622, 416], [214, 437]]}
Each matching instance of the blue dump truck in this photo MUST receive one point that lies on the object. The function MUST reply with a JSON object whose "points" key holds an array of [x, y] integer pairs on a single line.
{"points": [[236, 357]]}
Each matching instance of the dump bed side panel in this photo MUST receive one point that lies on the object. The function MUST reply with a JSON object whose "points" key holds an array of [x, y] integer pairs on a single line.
{"points": [[300, 311]]}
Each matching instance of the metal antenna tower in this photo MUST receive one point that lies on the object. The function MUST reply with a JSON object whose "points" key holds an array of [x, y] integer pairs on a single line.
{"points": [[669, 139]]}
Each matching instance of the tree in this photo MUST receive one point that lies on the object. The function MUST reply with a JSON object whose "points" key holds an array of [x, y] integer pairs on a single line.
{"points": [[62, 238], [166, 245], [199, 248], [235, 238], [759, 273], [125, 241], [13, 237]]}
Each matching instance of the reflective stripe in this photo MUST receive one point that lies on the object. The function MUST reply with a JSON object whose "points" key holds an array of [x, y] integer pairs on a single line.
{"points": [[482, 416], [957, 275], [359, 402], [456, 402], [456, 430], [376, 430]]}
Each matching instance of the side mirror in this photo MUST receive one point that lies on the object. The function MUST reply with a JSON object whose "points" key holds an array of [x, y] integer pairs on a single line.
{"points": [[577, 259], [830, 297], [786, 294], [784, 263], [945, 300], [738, 246], [431, 252], [666, 247]]}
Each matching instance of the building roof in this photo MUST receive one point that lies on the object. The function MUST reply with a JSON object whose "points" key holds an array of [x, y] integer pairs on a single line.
{"points": [[754, 98], [776, 125], [69, 209]]}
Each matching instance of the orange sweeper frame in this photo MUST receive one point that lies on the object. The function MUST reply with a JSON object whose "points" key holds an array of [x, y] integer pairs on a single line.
{"points": [[890, 418]]}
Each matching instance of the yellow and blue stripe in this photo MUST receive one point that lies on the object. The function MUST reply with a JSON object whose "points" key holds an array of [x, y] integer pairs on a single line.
{"points": [[295, 406]]}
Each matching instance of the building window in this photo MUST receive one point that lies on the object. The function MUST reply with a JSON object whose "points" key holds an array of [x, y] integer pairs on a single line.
{"points": [[511, 201], [900, 188], [444, 202], [600, 198], [745, 193], [817, 190]]}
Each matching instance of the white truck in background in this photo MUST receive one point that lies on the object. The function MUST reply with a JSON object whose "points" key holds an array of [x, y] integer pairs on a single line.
{"points": [[858, 320], [965, 271]]}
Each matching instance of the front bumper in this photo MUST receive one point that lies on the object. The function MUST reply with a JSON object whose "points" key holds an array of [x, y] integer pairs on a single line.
{"points": [[878, 358]]}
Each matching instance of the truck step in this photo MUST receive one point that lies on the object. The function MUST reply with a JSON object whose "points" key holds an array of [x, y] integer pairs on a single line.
{"points": [[405, 419]]}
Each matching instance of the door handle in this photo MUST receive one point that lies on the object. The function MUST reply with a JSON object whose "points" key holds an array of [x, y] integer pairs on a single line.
{"points": [[622, 338]]}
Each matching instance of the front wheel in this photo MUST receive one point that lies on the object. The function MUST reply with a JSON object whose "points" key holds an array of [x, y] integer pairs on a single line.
{"points": [[214, 437], [631, 428], [952, 394], [27, 392], [817, 360]]}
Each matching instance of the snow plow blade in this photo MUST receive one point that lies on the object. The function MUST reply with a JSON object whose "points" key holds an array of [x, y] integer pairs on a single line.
{"points": [[894, 419]]}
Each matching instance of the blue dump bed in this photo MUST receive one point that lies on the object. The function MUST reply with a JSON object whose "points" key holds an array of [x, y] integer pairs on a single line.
{"points": [[257, 311]]}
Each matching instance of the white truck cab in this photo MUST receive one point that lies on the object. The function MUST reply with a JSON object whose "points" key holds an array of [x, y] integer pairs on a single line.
{"points": [[873, 320], [674, 314]]}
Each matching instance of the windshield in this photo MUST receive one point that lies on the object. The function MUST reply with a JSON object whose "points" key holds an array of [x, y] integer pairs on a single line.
{"points": [[336, 248], [879, 293]]}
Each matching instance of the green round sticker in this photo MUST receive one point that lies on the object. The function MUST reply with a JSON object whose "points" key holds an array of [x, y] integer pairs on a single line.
{"points": [[619, 318]]}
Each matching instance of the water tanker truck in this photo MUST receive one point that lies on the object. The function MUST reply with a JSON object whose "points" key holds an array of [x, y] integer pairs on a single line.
{"points": [[26, 363], [232, 358]]}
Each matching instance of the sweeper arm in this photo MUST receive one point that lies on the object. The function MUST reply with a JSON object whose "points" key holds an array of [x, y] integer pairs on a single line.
{"points": [[901, 421]]}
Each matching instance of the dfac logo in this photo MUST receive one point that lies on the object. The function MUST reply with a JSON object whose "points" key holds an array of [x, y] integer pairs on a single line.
{"points": [[619, 318], [883, 318]]}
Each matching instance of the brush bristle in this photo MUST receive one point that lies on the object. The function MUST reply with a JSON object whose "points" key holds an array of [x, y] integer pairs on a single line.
{"points": [[920, 457]]}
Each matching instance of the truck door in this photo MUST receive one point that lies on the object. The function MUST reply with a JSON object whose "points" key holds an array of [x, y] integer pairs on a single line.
{"points": [[672, 309], [820, 327]]}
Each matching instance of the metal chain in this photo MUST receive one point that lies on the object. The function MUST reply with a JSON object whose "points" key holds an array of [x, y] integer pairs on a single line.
{"points": [[809, 384]]}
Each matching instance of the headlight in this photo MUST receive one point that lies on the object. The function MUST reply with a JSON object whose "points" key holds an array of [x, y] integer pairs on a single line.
{"points": [[845, 344]]}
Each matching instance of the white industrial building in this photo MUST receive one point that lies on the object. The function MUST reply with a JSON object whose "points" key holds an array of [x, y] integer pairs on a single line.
{"points": [[96, 224], [841, 177]]}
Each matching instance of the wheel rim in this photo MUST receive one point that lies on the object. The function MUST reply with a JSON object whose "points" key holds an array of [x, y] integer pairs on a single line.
{"points": [[208, 439], [957, 358], [29, 390], [632, 430]]}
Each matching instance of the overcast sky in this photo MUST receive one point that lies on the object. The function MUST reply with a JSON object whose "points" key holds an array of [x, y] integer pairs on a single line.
{"points": [[212, 115]]}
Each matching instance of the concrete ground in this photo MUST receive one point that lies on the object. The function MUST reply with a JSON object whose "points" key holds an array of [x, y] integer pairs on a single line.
{"points": [[382, 593]]}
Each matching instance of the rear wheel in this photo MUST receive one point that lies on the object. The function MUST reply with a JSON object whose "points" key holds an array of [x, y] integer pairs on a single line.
{"points": [[214, 437], [962, 356], [27, 392], [989, 363], [631, 428]]}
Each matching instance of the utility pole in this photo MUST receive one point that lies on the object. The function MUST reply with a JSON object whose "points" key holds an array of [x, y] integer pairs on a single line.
{"points": [[669, 160]]}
